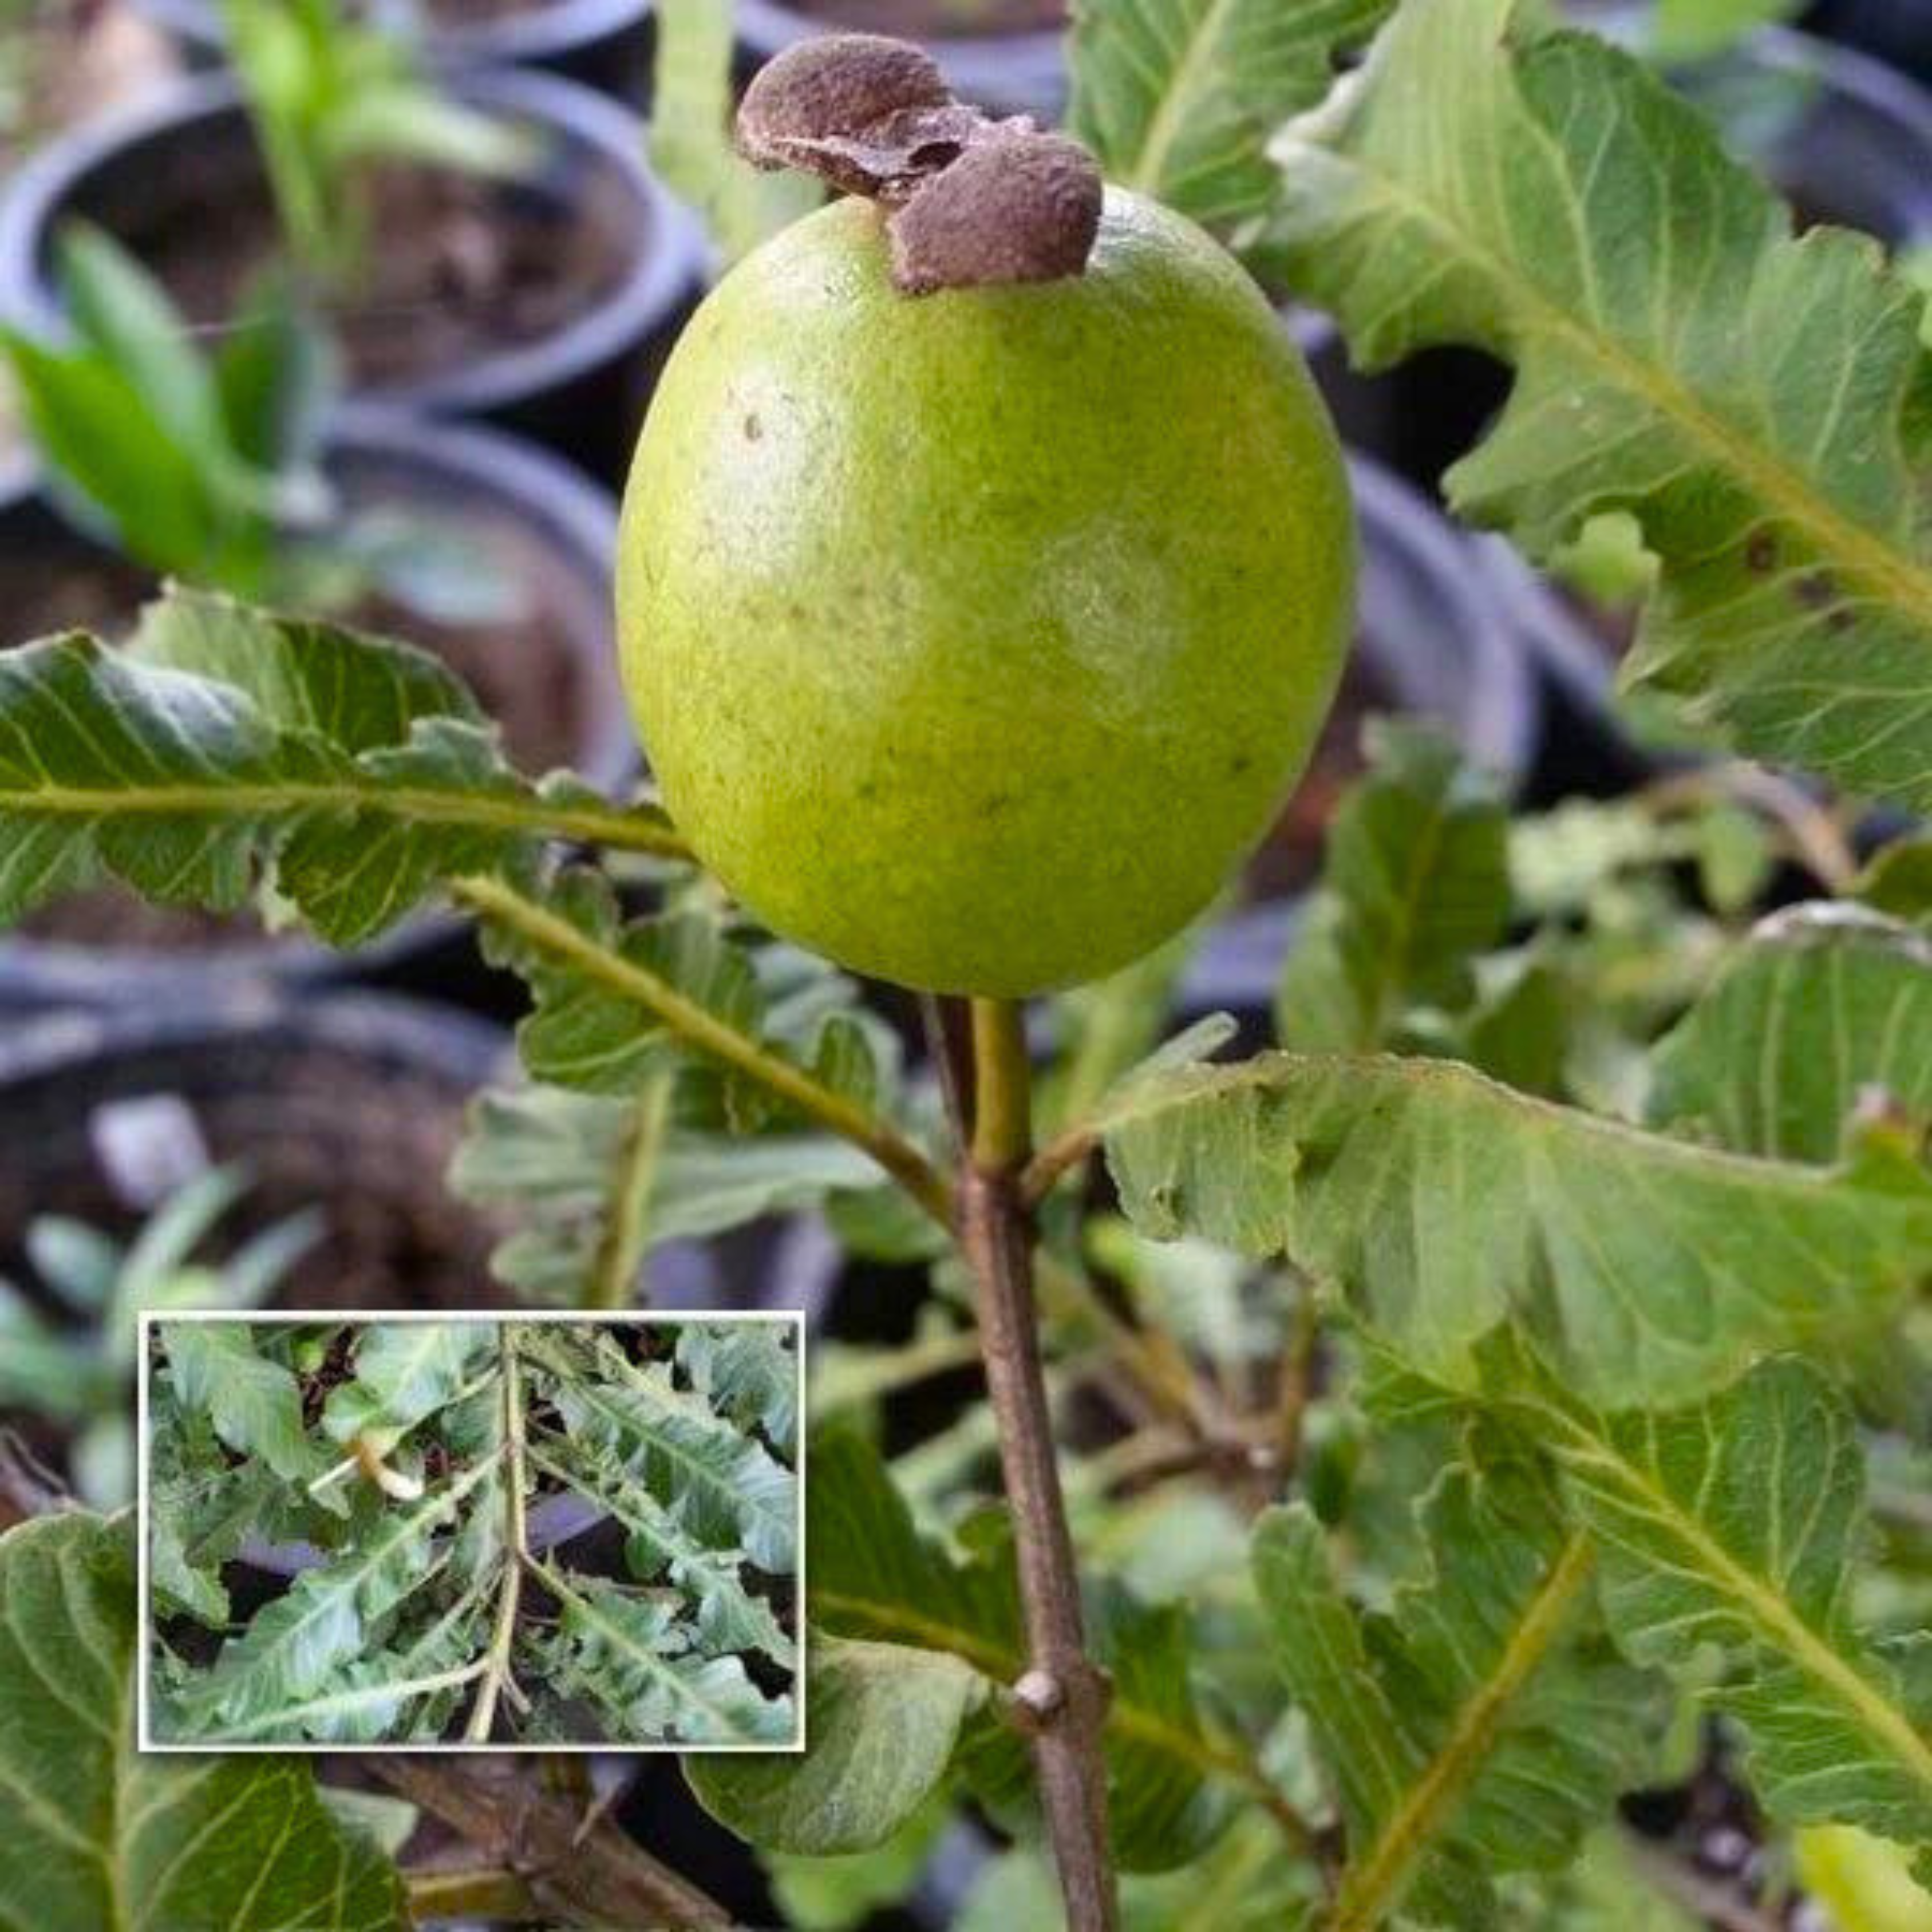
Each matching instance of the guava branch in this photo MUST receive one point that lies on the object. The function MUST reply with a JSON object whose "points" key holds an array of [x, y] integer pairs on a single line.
{"points": [[538, 926], [1064, 1695], [593, 1876]]}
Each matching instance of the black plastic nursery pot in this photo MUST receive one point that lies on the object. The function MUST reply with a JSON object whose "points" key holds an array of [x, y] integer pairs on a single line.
{"points": [[1898, 31], [545, 304], [351, 1105], [1431, 639], [548, 675], [1005, 55], [607, 43]]}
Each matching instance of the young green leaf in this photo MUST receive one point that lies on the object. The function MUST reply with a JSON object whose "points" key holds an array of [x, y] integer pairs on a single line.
{"points": [[1734, 1524], [1746, 397], [1441, 1203], [1177, 97], [253, 1402], [99, 1834], [1473, 1730], [1821, 1007], [405, 1371], [1415, 884], [748, 1370]]}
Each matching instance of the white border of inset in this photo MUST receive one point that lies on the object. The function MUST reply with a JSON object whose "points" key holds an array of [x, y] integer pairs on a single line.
{"points": [[148, 1319]]}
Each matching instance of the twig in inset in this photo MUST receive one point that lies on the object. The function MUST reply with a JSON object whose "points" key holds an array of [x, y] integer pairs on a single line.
{"points": [[496, 1669]]}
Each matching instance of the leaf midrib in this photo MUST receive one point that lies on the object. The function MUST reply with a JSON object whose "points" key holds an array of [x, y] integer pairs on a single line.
{"points": [[612, 827], [1371, 1888], [1169, 117]]}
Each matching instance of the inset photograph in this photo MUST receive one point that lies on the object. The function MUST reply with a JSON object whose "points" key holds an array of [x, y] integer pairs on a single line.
{"points": [[499, 1532]]}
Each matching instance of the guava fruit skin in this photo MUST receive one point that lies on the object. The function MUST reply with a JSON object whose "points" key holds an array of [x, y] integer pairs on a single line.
{"points": [[974, 639]]}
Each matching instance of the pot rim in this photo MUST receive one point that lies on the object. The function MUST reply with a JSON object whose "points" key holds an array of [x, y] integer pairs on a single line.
{"points": [[448, 1041], [543, 33], [666, 267], [581, 518]]}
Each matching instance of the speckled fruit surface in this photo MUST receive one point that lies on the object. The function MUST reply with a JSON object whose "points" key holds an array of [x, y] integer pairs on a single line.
{"points": [[974, 639]]}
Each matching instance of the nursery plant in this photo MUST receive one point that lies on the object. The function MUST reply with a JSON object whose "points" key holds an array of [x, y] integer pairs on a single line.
{"points": [[419, 1459], [1447, 1459], [211, 467], [68, 1354], [331, 96]]}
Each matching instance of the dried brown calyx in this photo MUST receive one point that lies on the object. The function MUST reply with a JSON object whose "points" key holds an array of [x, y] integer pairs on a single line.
{"points": [[970, 200]]}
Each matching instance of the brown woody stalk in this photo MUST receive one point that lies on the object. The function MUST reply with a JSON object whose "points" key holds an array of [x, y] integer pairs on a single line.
{"points": [[1063, 1697]]}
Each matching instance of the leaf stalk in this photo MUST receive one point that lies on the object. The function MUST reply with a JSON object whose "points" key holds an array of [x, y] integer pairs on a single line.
{"points": [[538, 926]]}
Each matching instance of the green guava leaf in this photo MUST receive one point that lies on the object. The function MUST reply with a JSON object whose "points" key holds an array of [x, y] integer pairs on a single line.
{"points": [[634, 1659], [725, 1489], [1441, 1203], [362, 693], [1476, 1727], [1735, 1524], [254, 1403], [1415, 885], [194, 790], [659, 1543], [1177, 97], [1753, 400], [748, 1370], [99, 1834], [405, 1371], [884, 1722], [298, 1647], [1822, 1009]]}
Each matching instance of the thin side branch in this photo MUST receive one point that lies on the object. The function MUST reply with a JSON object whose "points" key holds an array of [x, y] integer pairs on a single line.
{"points": [[1062, 1156], [503, 1636], [482, 1893], [1064, 1694], [620, 1249], [601, 1878], [491, 898]]}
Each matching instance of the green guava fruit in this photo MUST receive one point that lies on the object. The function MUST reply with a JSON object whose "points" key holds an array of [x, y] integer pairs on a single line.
{"points": [[975, 638]]}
